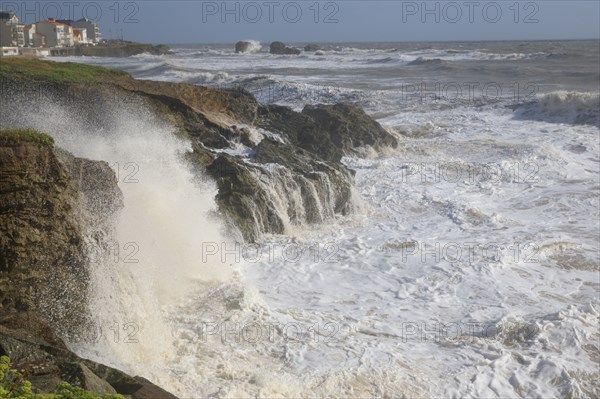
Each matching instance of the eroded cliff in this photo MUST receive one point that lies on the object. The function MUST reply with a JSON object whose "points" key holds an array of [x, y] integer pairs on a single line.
{"points": [[274, 167]]}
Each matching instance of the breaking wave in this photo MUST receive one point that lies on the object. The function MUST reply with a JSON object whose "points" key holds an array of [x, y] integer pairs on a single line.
{"points": [[578, 108]]}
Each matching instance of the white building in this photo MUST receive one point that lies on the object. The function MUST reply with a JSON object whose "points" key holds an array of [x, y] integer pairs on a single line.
{"points": [[93, 32], [11, 33], [33, 38], [57, 34], [80, 36]]}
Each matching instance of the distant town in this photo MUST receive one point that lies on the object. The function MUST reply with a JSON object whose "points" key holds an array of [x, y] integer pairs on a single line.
{"points": [[47, 37]]}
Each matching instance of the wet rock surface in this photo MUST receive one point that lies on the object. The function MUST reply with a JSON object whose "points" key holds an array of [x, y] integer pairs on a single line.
{"points": [[280, 48], [243, 47], [312, 47]]}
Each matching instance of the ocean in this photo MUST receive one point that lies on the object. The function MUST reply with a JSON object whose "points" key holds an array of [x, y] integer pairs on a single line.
{"points": [[469, 268]]}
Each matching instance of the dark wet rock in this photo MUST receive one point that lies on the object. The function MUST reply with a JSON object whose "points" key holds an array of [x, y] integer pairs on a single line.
{"points": [[150, 391], [243, 201], [331, 131], [243, 47], [79, 375], [281, 49], [251, 194], [43, 376], [315, 171], [312, 47], [121, 382], [349, 128], [300, 129]]}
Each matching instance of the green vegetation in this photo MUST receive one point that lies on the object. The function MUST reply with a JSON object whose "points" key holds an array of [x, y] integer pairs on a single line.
{"points": [[25, 69], [12, 135], [14, 386]]}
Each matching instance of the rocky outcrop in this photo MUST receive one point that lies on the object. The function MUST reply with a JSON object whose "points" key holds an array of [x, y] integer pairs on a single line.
{"points": [[275, 168], [312, 47], [349, 129], [330, 131], [41, 236], [280, 48], [244, 47], [283, 186]]}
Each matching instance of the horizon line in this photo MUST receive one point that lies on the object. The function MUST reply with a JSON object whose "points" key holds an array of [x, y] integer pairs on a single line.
{"points": [[382, 41]]}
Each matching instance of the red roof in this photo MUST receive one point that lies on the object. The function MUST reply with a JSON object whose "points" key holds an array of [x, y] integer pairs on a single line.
{"points": [[53, 22]]}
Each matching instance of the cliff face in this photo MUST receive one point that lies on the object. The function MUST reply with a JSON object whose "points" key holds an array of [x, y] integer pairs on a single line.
{"points": [[41, 236], [51, 203]]}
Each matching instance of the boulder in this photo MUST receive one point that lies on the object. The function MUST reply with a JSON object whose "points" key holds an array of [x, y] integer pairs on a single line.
{"points": [[79, 375], [281, 49], [349, 128], [312, 47], [330, 131], [299, 129], [243, 47]]}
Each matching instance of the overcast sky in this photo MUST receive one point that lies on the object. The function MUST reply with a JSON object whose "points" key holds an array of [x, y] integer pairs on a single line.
{"points": [[196, 21]]}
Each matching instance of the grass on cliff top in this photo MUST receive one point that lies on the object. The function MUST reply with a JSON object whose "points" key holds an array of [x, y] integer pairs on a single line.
{"points": [[12, 135], [23, 69]]}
